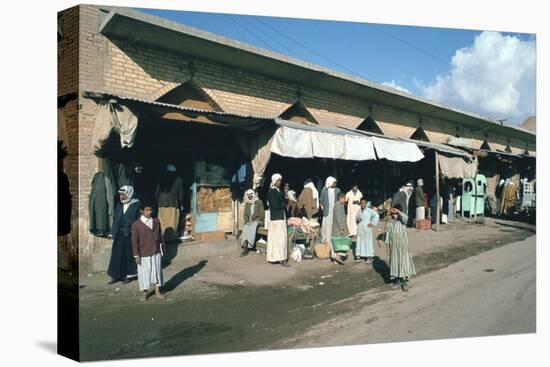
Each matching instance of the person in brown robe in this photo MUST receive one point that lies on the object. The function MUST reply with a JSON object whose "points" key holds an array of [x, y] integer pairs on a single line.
{"points": [[309, 199]]}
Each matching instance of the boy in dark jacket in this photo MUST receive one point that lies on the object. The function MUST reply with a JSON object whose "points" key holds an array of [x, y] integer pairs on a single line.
{"points": [[147, 248]]}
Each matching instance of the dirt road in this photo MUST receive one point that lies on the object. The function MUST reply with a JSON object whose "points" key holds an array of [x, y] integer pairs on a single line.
{"points": [[489, 294], [226, 304]]}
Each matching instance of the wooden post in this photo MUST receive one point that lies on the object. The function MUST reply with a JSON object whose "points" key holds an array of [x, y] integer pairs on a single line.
{"points": [[438, 209]]}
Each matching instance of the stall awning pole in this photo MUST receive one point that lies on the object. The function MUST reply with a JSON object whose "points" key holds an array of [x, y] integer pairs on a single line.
{"points": [[438, 201]]}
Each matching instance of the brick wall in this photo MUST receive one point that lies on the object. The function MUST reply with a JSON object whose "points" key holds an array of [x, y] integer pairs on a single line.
{"points": [[136, 70], [131, 69], [67, 83]]}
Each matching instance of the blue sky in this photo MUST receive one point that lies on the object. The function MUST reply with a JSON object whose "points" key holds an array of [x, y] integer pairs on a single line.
{"points": [[417, 59]]}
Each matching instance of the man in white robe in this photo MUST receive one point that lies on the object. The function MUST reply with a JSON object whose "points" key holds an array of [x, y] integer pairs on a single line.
{"points": [[353, 197]]}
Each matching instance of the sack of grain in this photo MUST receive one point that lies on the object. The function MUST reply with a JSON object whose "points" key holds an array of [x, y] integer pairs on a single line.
{"points": [[322, 250]]}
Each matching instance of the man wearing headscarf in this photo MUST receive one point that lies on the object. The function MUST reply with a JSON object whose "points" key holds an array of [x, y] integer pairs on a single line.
{"points": [[419, 199], [411, 207], [353, 198], [122, 266], [402, 197], [254, 214], [277, 251], [329, 196], [292, 204], [309, 199]]}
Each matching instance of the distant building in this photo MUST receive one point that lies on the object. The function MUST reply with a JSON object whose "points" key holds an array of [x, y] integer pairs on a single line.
{"points": [[530, 124]]}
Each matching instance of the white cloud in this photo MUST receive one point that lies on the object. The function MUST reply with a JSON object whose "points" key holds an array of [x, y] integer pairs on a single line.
{"points": [[393, 84], [494, 77]]}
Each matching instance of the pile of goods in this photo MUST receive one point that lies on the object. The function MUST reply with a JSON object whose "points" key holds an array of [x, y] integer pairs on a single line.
{"points": [[212, 199]]}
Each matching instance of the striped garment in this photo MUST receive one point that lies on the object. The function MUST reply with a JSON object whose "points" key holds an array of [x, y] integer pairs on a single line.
{"points": [[401, 263], [150, 272]]}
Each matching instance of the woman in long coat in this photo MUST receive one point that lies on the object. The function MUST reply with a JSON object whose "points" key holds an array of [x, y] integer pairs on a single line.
{"points": [[122, 265], [277, 251], [401, 263], [329, 196]]}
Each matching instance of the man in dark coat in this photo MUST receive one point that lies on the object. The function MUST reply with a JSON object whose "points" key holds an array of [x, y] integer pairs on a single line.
{"points": [[122, 266], [277, 251]]}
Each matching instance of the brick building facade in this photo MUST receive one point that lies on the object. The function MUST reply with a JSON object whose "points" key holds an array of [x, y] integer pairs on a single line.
{"points": [[92, 61]]}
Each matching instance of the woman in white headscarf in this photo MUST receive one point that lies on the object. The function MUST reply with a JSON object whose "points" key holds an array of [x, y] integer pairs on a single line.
{"points": [[328, 199], [254, 214], [277, 251], [122, 266]]}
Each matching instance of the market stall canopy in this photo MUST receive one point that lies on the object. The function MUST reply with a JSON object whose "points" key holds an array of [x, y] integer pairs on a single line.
{"points": [[398, 151], [305, 141], [457, 167], [441, 148], [290, 139]]}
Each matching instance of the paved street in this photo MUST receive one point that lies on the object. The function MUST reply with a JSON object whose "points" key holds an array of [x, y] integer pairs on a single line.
{"points": [[473, 280]]}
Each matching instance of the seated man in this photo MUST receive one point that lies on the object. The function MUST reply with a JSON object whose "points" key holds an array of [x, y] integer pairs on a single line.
{"points": [[254, 214]]}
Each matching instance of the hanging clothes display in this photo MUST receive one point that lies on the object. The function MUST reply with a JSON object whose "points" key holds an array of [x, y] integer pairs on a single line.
{"points": [[509, 198], [498, 195], [98, 207]]}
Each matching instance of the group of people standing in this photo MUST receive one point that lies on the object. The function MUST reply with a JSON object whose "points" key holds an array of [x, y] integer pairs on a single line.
{"points": [[138, 244], [343, 215]]}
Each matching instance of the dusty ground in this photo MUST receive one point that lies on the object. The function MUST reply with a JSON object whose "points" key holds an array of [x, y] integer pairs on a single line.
{"points": [[225, 304], [493, 293]]}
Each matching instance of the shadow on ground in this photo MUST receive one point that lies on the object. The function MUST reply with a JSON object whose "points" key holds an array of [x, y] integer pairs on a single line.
{"points": [[382, 269], [183, 275]]}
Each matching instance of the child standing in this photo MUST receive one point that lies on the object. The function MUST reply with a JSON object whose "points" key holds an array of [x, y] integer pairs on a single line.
{"points": [[147, 247], [401, 263], [366, 218]]}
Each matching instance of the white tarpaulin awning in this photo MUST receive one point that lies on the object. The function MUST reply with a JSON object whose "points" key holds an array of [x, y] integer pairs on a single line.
{"points": [[309, 143], [398, 151], [359, 148], [457, 167], [293, 143], [326, 145]]}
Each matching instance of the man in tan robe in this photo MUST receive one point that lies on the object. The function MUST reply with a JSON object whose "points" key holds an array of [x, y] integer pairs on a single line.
{"points": [[309, 199]]}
